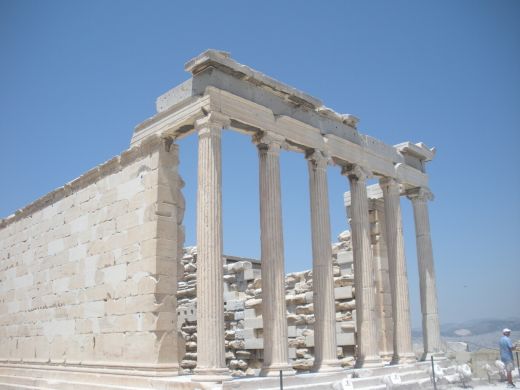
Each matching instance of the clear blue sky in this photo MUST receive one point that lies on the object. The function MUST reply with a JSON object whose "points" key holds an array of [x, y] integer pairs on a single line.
{"points": [[76, 77]]}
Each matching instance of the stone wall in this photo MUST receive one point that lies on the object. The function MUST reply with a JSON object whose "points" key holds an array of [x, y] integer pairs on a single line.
{"points": [[86, 272], [243, 312]]}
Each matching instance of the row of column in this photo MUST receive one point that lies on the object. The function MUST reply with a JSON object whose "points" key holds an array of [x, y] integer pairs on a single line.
{"points": [[211, 363]]}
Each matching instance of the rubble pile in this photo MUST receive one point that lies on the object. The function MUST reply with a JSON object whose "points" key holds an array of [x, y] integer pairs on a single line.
{"points": [[243, 312]]}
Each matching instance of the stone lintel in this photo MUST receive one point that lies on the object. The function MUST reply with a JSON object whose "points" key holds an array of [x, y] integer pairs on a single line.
{"points": [[222, 60], [213, 68], [418, 150], [375, 192]]}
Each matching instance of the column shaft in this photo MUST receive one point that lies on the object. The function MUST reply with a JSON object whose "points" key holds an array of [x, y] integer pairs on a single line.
{"points": [[325, 357], [367, 339], [272, 260], [210, 295], [402, 334], [428, 290]]}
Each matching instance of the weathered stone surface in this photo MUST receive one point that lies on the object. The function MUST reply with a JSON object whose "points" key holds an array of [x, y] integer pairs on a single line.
{"points": [[88, 271], [95, 295]]}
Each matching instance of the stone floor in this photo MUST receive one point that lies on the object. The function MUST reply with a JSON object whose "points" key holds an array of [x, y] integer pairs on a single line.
{"points": [[402, 377]]}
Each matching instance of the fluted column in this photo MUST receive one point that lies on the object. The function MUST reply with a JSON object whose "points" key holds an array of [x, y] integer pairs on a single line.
{"points": [[430, 317], [402, 333], [325, 358], [272, 257], [211, 362], [367, 354]]}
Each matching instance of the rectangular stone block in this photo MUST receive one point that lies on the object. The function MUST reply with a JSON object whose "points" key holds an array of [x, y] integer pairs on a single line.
{"points": [[55, 247], [60, 285], [234, 305], [345, 269], [345, 257], [309, 341], [128, 189], [77, 253], [345, 339], [254, 323], [140, 347], [112, 345], [88, 269], [231, 295], [245, 334], [254, 343], [309, 297], [94, 309], [186, 315], [343, 292], [24, 281], [249, 274], [113, 275]]}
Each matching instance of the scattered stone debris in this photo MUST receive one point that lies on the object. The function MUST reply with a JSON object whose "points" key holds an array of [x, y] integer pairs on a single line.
{"points": [[243, 312]]}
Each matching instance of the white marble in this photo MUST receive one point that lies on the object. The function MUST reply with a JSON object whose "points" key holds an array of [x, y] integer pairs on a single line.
{"points": [[367, 354], [211, 363], [402, 334], [272, 255], [323, 279], [427, 285]]}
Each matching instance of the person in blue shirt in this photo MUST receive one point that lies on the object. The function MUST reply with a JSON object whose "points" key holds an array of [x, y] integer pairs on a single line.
{"points": [[506, 355]]}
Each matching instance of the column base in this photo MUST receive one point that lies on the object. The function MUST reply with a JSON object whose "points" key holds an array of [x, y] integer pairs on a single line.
{"points": [[427, 356], [274, 370], [327, 366], [404, 358], [369, 362], [211, 375], [386, 358]]}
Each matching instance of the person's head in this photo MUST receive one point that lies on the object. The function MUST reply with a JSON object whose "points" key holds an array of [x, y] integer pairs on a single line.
{"points": [[506, 332]]}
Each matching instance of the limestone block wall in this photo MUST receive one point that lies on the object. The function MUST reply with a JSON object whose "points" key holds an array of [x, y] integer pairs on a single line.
{"points": [[87, 273], [243, 312]]}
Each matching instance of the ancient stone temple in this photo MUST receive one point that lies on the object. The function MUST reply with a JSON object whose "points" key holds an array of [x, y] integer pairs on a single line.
{"points": [[89, 273]]}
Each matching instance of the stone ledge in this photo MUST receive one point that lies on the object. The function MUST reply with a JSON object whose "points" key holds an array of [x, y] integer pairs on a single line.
{"points": [[222, 60], [112, 368]]}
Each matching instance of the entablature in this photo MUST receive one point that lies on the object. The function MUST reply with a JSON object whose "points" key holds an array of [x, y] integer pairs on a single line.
{"points": [[254, 102]]}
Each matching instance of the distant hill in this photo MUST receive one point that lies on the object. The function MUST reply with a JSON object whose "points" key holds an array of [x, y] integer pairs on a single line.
{"points": [[481, 333], [477, 327], [481, 326]]}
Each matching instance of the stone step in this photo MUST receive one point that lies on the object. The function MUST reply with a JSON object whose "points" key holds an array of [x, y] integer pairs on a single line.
{"points": [[52, 376], [53, 384], [89, 381], [412, 377], [417, 384], [409, 377], [9, 386], [20, 380]]}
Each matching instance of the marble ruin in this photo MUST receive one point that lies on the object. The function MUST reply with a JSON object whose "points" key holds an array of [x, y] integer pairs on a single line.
{"points": [[96, 288]]}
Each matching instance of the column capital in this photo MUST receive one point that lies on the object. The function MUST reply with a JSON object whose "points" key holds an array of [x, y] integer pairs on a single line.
{"points": [[389, 183], [212, 121], [319, 158], [356, 172], [269, 141], [421, 194]]}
